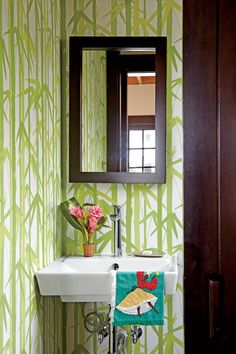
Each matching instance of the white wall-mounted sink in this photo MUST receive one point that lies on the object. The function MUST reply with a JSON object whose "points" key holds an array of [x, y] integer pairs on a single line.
{"points": [[81, 279]]}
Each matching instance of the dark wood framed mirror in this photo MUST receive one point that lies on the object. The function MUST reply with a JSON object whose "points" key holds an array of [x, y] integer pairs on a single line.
{"points": [[117, 123]]}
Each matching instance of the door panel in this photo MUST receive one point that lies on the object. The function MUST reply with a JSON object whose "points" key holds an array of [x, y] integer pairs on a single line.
{"points": [[209, 171], [227, 143], [200, 167]]}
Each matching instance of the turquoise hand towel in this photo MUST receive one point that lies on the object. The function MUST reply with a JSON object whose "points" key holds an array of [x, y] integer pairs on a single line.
{"points": [[139, 298]]}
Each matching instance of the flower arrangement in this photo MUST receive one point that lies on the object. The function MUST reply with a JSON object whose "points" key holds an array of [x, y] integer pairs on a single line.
{"points": [[87, 218]]}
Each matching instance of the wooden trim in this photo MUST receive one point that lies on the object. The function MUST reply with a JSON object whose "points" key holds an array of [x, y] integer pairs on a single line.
{"points": [[227, 167], [141, 80], [149, 119], [133, 63], [118, 177], [113, 112], [124, 122], [160, 111], [75, 109], [116, 43], [139, 122], [200, 167]]}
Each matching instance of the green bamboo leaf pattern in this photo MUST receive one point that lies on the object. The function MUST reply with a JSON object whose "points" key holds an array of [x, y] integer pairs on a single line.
{"points": [[30, 182], [34, 169], [151, 215], [94, 105]]}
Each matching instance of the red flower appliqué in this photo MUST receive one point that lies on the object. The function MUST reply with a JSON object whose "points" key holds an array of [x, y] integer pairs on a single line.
{"points": [[144, 284]]}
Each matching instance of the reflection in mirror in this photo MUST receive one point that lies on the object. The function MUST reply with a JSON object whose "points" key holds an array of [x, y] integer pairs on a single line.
{"points": [[136, 96], [141, 121], [94, 112]]}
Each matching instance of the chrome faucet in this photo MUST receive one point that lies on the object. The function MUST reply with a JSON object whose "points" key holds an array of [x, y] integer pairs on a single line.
{"points": [[115, 217]]}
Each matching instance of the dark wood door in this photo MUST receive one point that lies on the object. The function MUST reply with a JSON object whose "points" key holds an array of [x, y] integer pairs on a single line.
{"points": [[210, 175]]}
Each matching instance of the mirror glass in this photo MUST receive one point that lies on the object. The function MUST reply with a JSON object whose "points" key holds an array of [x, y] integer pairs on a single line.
{"points": [[137, 104], [94, 112], [141, 121]]}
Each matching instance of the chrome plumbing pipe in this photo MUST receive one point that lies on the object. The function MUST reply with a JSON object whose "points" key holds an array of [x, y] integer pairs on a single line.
{"points": [[116, 218]]}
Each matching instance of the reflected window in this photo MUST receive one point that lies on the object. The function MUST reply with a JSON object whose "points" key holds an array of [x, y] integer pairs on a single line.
{"points": [[141, 122], [141, 144]]}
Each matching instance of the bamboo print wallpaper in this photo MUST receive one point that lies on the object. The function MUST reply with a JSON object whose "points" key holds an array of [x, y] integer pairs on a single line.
{"points": [[30, 187], [34, 171], [151, 214], [94, 111]]}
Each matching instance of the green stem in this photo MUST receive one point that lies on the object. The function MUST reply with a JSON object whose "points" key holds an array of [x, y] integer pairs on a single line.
{"points": [[136, 17], [63, 60], [1, 182], [169, 163], [159, 18], [137, 216], [12, 175], [22, 176], [114, 18], [128, 17]]}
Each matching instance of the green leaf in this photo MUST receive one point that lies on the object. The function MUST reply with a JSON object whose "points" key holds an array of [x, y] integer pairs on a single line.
{"points": [[74, 201], [101, 220], [101, 223], [70, 218], [88, 204]]}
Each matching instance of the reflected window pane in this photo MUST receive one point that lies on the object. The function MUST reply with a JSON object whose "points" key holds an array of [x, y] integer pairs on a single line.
{"points": [[135, 139], [149, 169], [135, 170], [149, 157], [135, 158], [149, 138]]}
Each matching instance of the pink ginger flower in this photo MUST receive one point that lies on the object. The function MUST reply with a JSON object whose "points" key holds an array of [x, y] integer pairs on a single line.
{"points": [[92, 225], [95, 215], [76, 211], [95, 212]]}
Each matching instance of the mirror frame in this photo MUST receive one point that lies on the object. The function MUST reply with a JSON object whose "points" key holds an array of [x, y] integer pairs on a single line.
{"points": [[77, 44]]}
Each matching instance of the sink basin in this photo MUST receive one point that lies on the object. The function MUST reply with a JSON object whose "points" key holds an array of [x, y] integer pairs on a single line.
{"points": [[81, 279]]}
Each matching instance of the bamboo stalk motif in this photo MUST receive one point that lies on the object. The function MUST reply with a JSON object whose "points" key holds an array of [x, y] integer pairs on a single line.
{"points": [[33, 169]]}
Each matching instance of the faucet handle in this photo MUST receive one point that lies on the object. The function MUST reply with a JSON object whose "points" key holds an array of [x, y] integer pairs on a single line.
{"points": [[116, 208], [114, 217]]}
